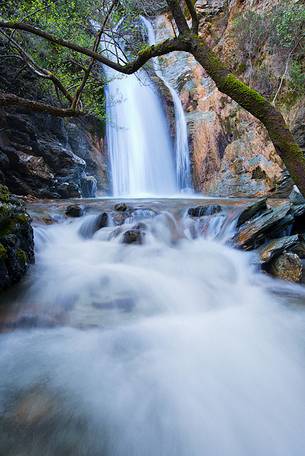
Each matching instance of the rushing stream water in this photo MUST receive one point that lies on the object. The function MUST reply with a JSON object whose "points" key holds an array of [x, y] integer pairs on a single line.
{"points": [[175, 347]]}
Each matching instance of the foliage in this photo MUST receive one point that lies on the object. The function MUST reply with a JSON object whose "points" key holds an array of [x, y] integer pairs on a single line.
{"points": [[68, 20], [279, 32]]}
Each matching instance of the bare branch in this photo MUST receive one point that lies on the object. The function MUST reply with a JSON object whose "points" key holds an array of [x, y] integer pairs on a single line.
{"points": [[195, 20], [9, 99], [177, 44], [175, 8]]}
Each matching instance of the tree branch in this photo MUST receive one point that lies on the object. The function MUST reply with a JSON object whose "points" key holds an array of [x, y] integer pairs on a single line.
{"points": [[175, 8], [195, 20], [9, 99], [170, 45]]}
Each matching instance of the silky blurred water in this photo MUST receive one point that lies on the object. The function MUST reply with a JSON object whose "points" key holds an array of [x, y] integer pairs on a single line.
{"points": [[177, 347]]}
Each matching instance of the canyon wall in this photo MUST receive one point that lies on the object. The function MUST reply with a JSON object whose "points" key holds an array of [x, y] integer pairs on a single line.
{"points": [[231, 152], [45, 156]]}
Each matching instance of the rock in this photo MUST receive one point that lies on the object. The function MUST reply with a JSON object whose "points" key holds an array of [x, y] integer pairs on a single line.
{"points": [[296, 197], [121, 207], [44, 155], [277, 246], [255, 209], [16, 240], [253, 233], [93, 224], [74, 211], [200, 211], [133, 236], [288, 266]]}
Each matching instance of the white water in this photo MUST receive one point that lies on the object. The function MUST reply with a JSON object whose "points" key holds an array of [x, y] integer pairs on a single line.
{"points": [[175, 347], [138, 138], [182, 152]]}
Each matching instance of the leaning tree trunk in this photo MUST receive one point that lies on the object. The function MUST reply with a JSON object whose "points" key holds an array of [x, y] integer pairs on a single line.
{"points": [[257, 105]]}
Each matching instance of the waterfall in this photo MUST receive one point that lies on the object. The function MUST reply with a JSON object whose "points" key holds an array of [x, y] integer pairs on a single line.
{"points": [[138, 137], [182, 152]]}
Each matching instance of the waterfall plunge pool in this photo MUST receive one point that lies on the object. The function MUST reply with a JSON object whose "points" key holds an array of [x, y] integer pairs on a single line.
{"points": [[178, 346]]}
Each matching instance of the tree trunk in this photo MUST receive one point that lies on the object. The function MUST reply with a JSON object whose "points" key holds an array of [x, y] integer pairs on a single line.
{"points": [[279, 133]]}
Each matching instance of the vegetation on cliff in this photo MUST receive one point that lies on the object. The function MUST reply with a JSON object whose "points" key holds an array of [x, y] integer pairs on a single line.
{"points": [[186, 39], [16, 239]]}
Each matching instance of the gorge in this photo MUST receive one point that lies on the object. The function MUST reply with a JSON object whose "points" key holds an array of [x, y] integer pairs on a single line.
{"points": [[162, 312]]}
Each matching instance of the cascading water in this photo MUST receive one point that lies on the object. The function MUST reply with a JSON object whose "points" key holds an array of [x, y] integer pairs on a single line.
{"points": [[173, 347], [182, 152], [138, 138]]}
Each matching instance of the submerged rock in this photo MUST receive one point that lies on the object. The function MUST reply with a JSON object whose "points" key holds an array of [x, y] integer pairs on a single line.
{"points": [[16, 240], [200, 211], [75, 210], [133, 236], [288, 266]]}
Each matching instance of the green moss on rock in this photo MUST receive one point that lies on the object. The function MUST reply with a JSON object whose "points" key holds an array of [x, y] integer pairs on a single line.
{"points": [[22, 256], [3, 252]]}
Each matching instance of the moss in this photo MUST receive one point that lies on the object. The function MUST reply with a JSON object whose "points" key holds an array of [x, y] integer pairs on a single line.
{"points": [[22, 219], [3, 252], [4, 194], [22, 256]]}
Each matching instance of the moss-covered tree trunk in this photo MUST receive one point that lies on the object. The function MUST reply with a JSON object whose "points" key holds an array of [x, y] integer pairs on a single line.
{"points": [[257, 105]]}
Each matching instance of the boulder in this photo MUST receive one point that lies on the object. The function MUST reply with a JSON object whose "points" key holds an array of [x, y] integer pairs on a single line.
{"points": [[121, 207], [254, 209], [296, 197], [277, 246], [267, 224], [16, 240], [74, 210], [133, 236], [288, 266], [200, 211]]}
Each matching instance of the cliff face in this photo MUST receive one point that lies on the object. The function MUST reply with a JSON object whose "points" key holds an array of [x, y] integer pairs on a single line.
{"points": [[46, 156], [231, 152]]}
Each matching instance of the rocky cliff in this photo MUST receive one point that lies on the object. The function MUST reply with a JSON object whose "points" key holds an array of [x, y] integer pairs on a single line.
{"points": [[46, 156], [231, 152]]}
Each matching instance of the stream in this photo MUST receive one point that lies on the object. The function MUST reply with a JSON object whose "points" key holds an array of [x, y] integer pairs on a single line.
{"points": [[174, 346]]}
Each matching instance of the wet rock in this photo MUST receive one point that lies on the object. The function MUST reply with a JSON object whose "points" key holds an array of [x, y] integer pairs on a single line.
{"points": [[133, 236], [119, 218], [257, 208], [200, 211], [102, 221], [121, 207], [268, 224], [296, 197], [277, 246], [288, 266], [93, 224], [16, 240], [74, 210]]}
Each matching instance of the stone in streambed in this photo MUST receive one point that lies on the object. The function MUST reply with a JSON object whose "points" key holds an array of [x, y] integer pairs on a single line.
{"points": [[255, 209], [254, 232], [200, 211], [75, 210], [277, 246], [133, 236], [121, 207], [288, 266]]}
